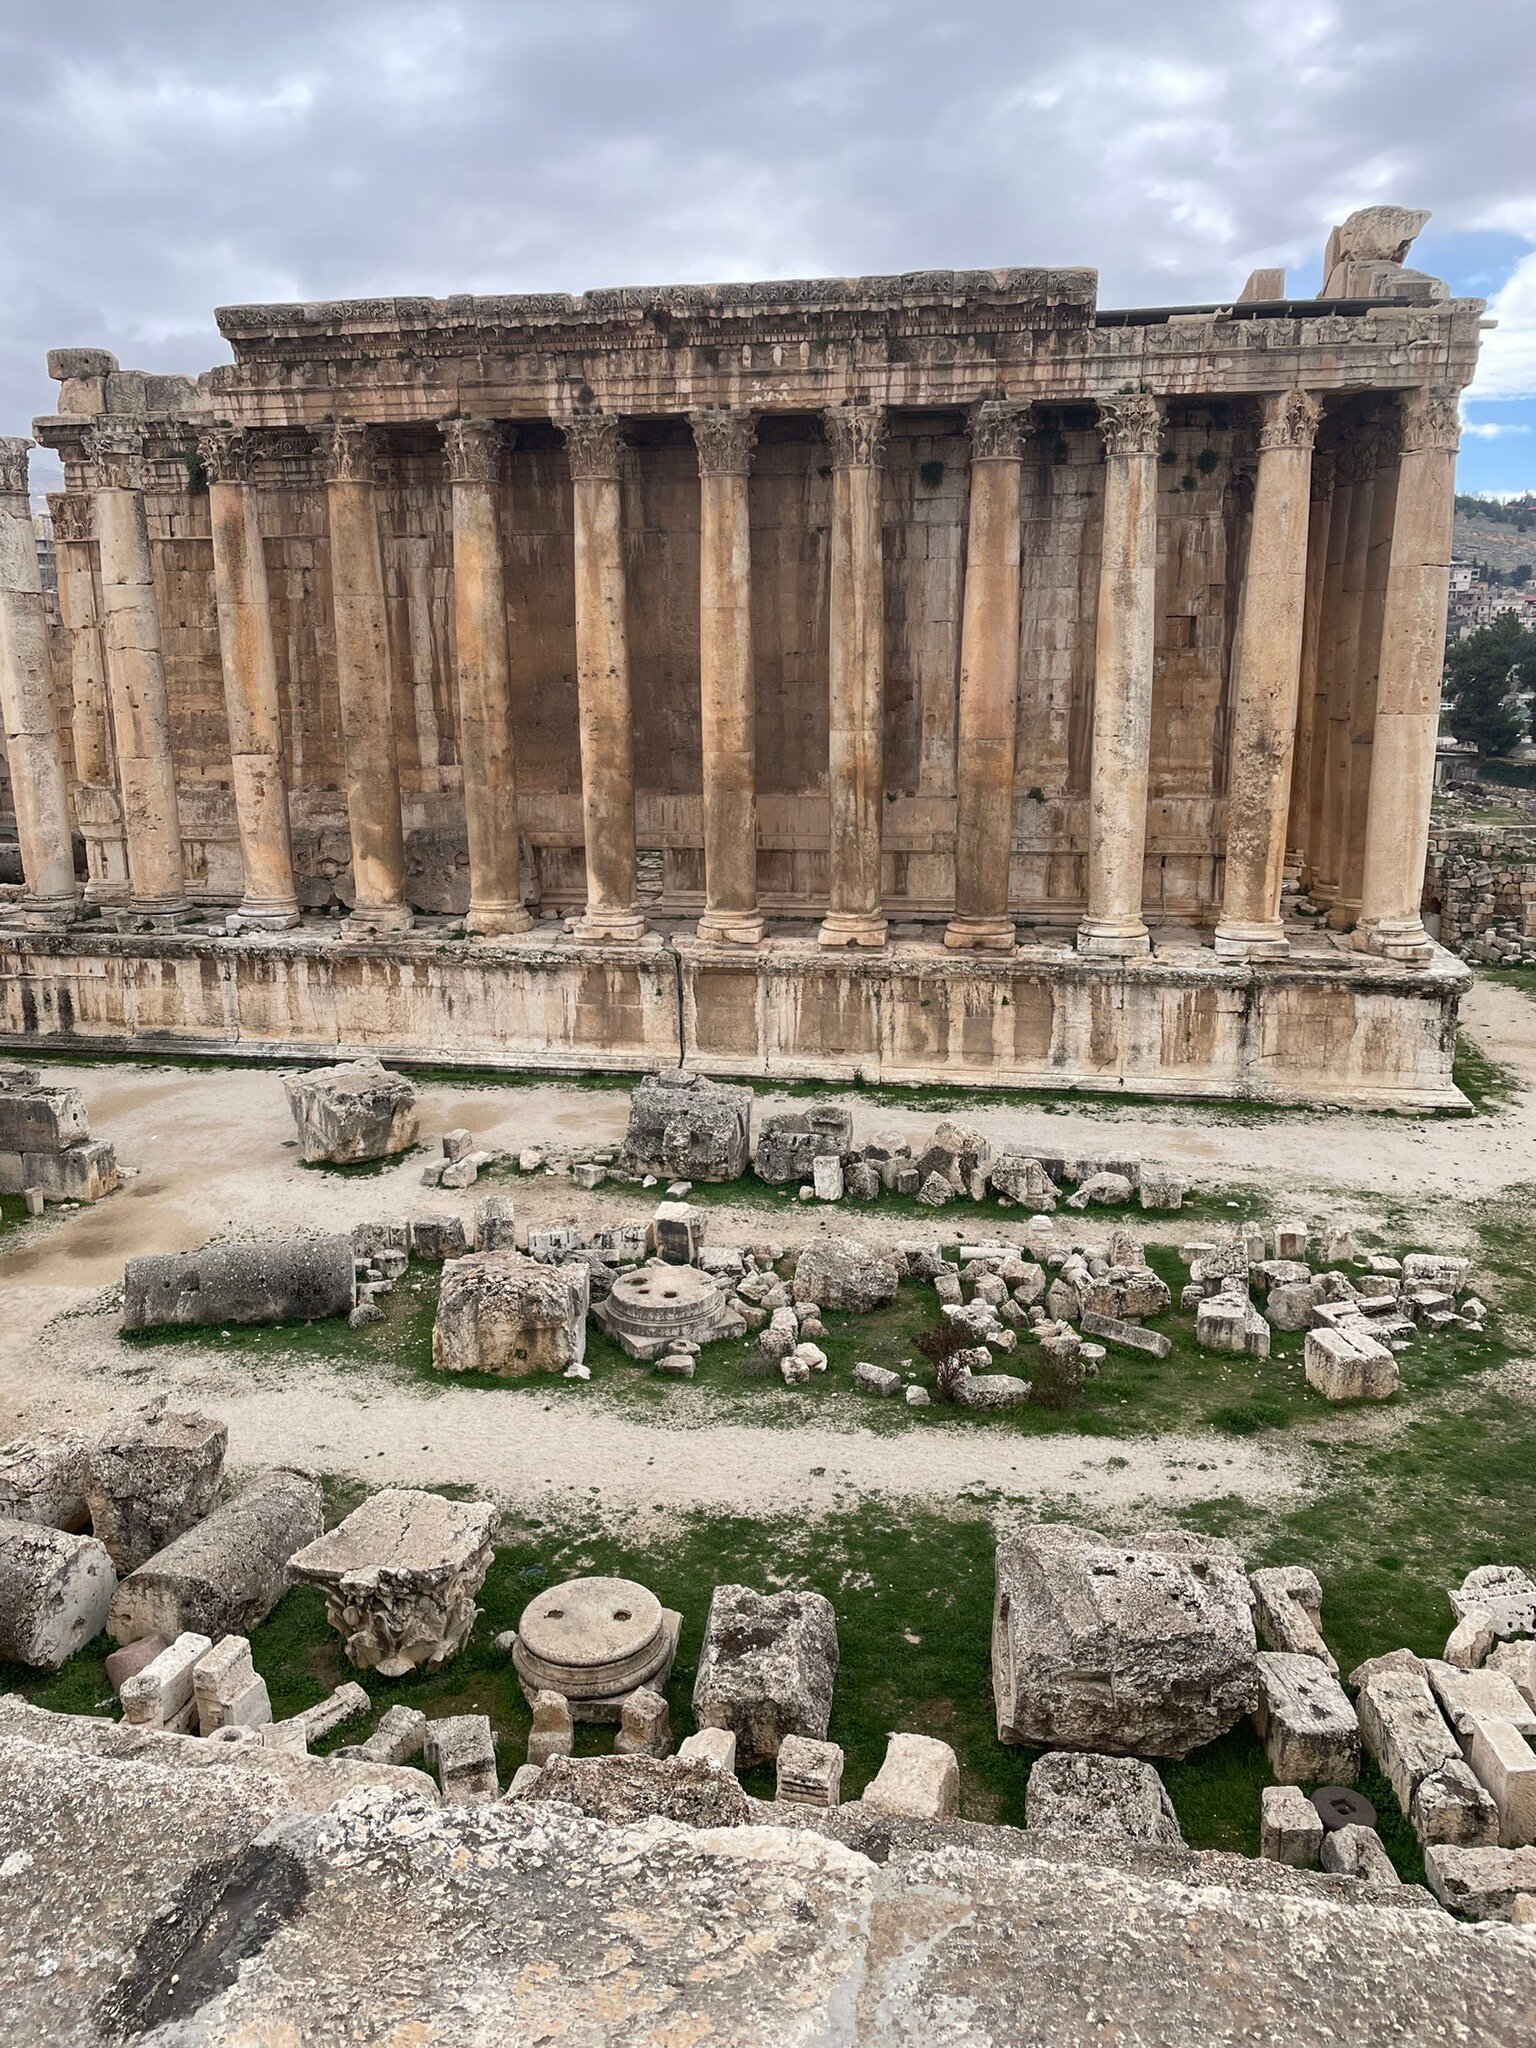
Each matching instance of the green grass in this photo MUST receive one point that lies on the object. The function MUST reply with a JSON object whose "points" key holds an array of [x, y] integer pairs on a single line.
{"points": [[1487, 1085]]}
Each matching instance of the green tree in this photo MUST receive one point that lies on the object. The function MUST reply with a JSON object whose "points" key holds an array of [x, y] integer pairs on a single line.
{"points": [[1484, 677]]}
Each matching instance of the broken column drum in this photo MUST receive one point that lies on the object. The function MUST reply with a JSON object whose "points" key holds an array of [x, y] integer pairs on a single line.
{"points": [[595, 1641], [649, 1311]]}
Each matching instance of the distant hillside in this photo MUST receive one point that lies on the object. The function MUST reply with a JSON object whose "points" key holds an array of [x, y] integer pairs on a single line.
{"points": [[1502, 535]]}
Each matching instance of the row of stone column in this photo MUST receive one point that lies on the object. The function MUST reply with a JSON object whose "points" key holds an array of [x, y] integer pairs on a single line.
{"points": [[1304, 591]]}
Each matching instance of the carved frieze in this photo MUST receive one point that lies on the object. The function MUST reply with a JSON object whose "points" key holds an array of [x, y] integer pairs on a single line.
{"points": [[1431, 419], [1291, 420], [472, 450], [592, 444], [1131, 425], [725, 437], [997, 428], [857, 434]]}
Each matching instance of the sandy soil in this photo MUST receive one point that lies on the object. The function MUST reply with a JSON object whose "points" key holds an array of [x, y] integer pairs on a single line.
{"points": [[215, 1153]]}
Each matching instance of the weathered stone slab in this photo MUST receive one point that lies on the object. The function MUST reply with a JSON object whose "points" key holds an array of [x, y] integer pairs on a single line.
{"points": [[1290, 1827], [1304, 1719], [1466, 1697], [42, 1479], [687, 1127], [1128, 1336], [55, 1589], [1404, 1730], [227, 1572], [150, 1478], [351, 1112], [766, 1669], [1449, 1805], [621, 1789], [282, 1280], [1505, 1766], [1344, 1365], [1356, 1851], [462, 1748], [844, 1273], [499, 1312], [162, 1695], [919, 1777], [1505, 1593], [1480, 1884], [1115, 1796], [1287, 1608], [228, 1690], [808, 1773]]}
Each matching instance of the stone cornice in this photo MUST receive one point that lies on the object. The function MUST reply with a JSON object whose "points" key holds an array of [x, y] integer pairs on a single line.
{"points": [[856, 434], [472, 450], [1131, 425], [997, 429], [1291, 420], [15, 453], [1431, 419], [725, 437], [592, 444]]}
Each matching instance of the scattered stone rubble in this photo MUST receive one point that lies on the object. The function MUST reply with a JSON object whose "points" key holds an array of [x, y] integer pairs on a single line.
{"points": [[353, 1112], [46, 1149]]}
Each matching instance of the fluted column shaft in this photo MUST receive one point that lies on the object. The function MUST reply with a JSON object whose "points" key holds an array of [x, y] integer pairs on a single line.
{"points": [[1122, 680], [38, 789], [496, 907], [73, 530], [1298, 859], [1362, 700], [141, 718], [856, 680], [1408, 694], [727, 713], [1358, 458], [248, 660], [364, 681], [1321, 879], [1268, 681], [602, 680], [989, 682]]}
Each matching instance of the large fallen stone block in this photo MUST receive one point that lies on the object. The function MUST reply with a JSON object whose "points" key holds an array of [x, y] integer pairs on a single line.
{"points": [[150, 1478], [1517, 1661], [1290, 1827], [400, 1576], [227, 1572], [282, 1280], [463, 1749], [1449, 1805], [1287, 1608], [42, 1479], [687, 1127], [55, 1589], [789, 1142], [843, 1273], [1231, 1323], [766, 1669], [38, 1118], [1404, 1730], [1348, 1364], [623, 1789], [1505, 1766], [1146, 1650], [1505, 1593], [348, 1113], [1467, 1697], [1355, 1851], [1019, 1177], [499, 1312], [162, 1694], [919, 1778], [82, 1172], [808, 1773], [1305, 1722], [1115, 1796], [1480, 1884]]}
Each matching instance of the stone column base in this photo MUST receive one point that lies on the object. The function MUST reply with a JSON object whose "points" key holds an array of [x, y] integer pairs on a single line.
{"points": [[980, 935], [609, 927], [852, 928], [497, 920], [264, 914], [1260, 940], [49, 913], [1397, 938], [1341, 916], [157, 915], [381, 917], [731, 928], [1113, 938]]}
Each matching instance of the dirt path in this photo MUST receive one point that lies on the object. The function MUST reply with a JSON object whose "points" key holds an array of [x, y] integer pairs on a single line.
{"points": [[215, 1153]]}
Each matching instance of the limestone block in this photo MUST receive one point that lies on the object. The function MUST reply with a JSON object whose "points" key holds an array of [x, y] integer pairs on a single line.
{"points": [[161, 1695], [781, 1334], [82, 1172], [1345, 1367], [713, 1746], [645, 1725], [294, 1279], [496, 1224], [789, 1142], [1505, 1765], [348, 1113], [1436, 1269], [1449, 1805], [676, 1233], [919, 1778], [439, 1237], [227, 1689], [827, 1179], [55, 1589], [1480, 1884], [1118, 1797], [1505, 1593], [1517, 1661], [227, 1572], [862, 1181], [1146, 1650], [988, 1391], [766, 1669], [876, 1379], [1019, 1177], [1470, 1640], [808, 1773], [499, 1312], [1229, 1323], [123, 1663], [624, 1789], [399, 1737], [42, 1479], [151, 1478], [1127, 1336], [1110, 1190], [1161, 1188], [1404, 1730], [1290, 1827], [552, 1732], [1304, 1719], [935, 1191], [462, 1748], [345, 1703], [39, 1119], [1289, 1305], [400, 1576], [685, 1126], [1356, 1851], [1287, 1608], [1291, 1239], [844, 1273], [1465, 1697]]}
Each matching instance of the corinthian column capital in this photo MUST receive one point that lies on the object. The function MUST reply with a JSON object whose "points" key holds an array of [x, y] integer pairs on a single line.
{"points": [[857, 434], [1431, 419], [997, 429], [725, 437], [73, 515], [348, 451], [15, 453], [1324, 475], [1131, 425], [226, 454], [592, 444], [114, 458], [1291, 420], [472, 449]]}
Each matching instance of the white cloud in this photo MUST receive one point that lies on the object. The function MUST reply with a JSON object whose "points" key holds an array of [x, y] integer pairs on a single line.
{"points": [[1490, 430], [1507, 365]]}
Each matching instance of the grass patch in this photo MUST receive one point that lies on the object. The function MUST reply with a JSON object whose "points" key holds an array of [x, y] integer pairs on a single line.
{"points": [[1487, 1084]]}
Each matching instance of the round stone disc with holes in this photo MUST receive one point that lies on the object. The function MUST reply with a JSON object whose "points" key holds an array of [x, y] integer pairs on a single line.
{"points": [[1341, 1806], [591, 1638]]}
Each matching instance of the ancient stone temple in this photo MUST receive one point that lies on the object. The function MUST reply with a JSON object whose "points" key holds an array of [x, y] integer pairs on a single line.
{"points": [[923, 677]]}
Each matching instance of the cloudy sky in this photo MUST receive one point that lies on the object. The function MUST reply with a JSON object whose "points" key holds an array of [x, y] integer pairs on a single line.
{"points": [[161, 159]]}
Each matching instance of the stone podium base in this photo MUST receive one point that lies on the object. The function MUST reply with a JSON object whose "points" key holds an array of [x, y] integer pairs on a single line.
{"points": [[1323, 1025]]}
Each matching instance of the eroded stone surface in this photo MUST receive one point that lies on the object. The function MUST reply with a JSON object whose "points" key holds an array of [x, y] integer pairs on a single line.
{"points": [[227, 1572], [55, 1589], [351, 1112], [150, 1478], [766, 1669], [685, 1126], [1100, 1795], [499, 1312]]}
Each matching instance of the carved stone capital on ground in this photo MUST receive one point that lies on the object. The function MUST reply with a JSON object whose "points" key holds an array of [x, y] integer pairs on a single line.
{"points": [[73, 515], [15, 453], [857, 434], [725, 437], [997, 429], [472, 450], [348, 452], [1131, 425], [1291, 420], [592, 445], [114, 458], [226, 454], [1431, 419]]}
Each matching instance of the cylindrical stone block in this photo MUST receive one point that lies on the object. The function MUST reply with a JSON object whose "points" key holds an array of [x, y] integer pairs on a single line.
{"points": [[726, 709], [856, 680], [32, 750]]}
